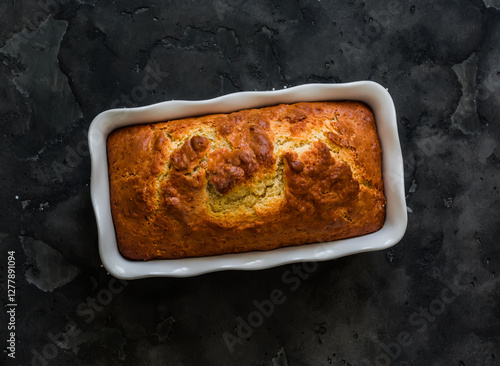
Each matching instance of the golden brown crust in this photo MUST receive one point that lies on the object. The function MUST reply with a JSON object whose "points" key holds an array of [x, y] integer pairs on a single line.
{"points": [[256, 179]]}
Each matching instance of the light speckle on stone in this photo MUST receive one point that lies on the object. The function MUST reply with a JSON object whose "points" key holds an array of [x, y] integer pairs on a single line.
{"points": [[492, 4], [46, 267], [280, 358], [164, 328], [448, 202], [466, 117], [413, 187]]}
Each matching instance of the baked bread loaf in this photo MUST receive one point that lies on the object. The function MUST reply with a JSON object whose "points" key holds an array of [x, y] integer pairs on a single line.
{"points": [[257, 179]]}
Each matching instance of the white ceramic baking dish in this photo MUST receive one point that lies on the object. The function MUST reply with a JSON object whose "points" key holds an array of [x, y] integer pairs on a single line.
{"points": [[369, 92]]}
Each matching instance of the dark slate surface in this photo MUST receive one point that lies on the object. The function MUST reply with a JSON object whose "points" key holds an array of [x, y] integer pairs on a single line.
{"points": [[431, 300]]}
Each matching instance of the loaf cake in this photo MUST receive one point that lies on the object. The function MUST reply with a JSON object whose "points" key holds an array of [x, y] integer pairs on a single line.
{"points": [[256, 179]]}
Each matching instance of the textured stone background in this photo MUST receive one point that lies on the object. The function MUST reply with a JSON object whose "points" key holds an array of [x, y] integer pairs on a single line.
{"points": [[437, 292]]}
